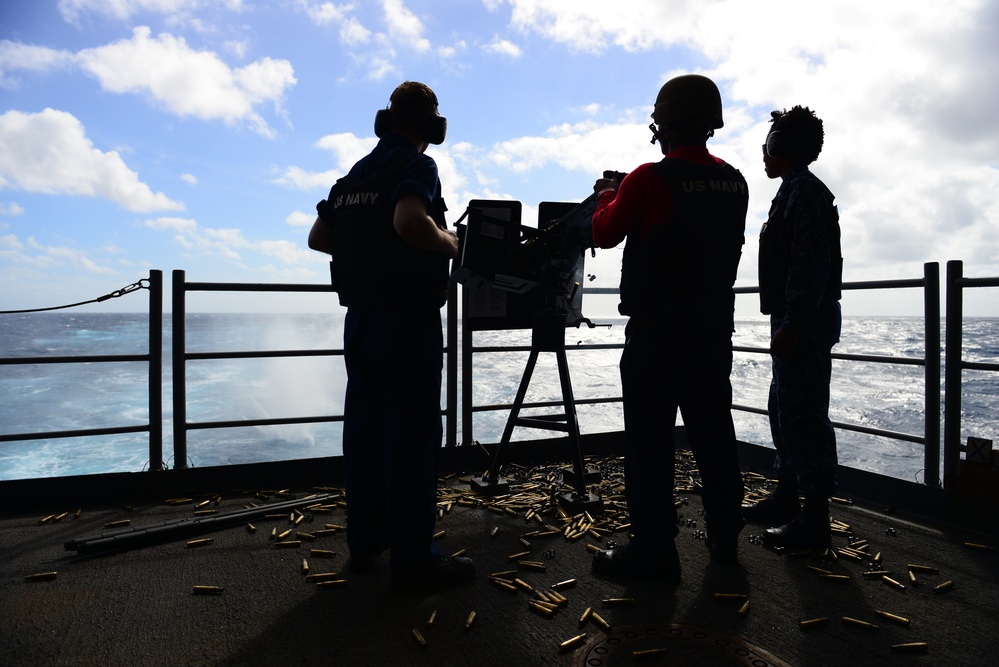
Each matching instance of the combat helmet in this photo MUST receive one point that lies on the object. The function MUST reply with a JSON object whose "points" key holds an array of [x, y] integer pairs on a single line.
{"points": [[686, 98]]}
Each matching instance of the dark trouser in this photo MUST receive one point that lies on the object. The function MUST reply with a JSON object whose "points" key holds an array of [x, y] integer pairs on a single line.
{"points": [[659, 375], [799, 408], [392, 431]]}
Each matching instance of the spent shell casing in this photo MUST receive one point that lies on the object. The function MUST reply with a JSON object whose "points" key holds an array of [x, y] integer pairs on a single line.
{"points": [[439, 534], [523, 584], [841, 578], [572, 642], [730, 597], [592, 548], [872, 574], [895, 618], [810, 623], [117, 524], [305, 536], [531, 565], [568, 583], [288, 544], [305, 566], [599, 620], [586, 615], [926, 569], [518, 556], [617, 602], [470, 620], [648, 653], [980, 547], [207, 590], [283, 535], [912, 578], [494, 531], [857, 623], [322, 576], [418, 637], [744, 609], [891, 582], [505, 574], [332, 583], [505, 585], [945, 586], [557, 597], [251, 528], [200, 542], [541, 607], [322, 553], [911, 647], [430, 621], [818, 570], [42, 576]]}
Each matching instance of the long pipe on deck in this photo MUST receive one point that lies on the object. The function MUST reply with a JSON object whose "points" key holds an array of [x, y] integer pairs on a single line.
{"points": [[141, 536]]}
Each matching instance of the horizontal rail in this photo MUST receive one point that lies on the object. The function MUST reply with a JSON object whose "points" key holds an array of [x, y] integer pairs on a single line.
{"points": [[81, 359], [277, 421], [857, 428], [52, 435], [264, 354]]}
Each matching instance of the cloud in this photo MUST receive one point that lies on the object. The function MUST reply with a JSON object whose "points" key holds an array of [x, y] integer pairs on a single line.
{"points": [[503, 47], [49, 153], [906, 90], [300, 219], [190, 179], [31, 253], [123, 10], [403, 26], [16, 56], [11, 210], [347, 149], [188, 82], [228, 243]]}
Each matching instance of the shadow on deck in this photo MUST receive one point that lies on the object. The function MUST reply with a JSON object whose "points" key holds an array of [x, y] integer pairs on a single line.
{"points": [[138, 607]]}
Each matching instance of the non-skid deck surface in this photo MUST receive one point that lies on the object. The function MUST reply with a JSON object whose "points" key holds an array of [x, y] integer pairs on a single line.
{"points": [[138, 607]]}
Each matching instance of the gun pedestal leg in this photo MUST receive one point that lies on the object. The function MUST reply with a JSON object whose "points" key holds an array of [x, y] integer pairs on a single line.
{"points": [[548, 336]]}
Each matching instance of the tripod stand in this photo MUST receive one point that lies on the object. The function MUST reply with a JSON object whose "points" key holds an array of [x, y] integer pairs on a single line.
{"points": [[547, 335]]}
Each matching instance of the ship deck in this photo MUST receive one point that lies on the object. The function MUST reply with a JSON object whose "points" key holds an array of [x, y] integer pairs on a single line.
{"points": [[139, 606]]}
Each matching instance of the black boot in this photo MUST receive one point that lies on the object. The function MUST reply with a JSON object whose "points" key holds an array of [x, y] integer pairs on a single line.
{"points": [[780, 508], [809, 530]]}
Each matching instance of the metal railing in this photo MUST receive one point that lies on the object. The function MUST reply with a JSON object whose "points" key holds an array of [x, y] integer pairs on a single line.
{"points": [[930, 439], [955, 364], [154, 360]]}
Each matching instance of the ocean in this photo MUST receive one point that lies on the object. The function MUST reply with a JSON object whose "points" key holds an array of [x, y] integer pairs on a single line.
{"points": [[50, 397]]}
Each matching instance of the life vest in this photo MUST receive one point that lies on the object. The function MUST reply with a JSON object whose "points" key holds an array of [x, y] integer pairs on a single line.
{"points": [[684, 268], [372, 266], [777, 235]]}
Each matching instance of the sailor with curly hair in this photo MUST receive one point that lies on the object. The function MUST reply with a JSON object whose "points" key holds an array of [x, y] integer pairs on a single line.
{"points": [[801, 268]]}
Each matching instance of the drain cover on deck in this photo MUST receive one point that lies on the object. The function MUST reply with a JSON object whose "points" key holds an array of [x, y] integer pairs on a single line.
{"points": [[672, 645]]}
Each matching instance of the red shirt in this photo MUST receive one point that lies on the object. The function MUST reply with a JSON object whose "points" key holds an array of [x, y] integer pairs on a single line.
{"points": [[643, 199]]}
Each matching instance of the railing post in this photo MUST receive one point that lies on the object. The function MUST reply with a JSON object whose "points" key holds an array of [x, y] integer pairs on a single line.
{"points": [[451, 432], [467, 402], [155, 370], [953, 364], [931, 429], [179, 360]]}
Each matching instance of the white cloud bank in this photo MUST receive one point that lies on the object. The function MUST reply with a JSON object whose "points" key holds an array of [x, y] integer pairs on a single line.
{"points": [[49, 153]]}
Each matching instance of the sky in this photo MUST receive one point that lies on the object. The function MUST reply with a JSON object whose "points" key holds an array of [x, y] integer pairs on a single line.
{"points": [[200, 134]]}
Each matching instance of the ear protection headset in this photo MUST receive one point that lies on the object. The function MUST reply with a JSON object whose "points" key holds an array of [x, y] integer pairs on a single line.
{"points": [[774, 145], [434, 128]]}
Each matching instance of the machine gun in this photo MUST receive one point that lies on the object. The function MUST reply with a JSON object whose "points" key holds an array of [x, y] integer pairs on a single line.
{"points": [[545, 267]]}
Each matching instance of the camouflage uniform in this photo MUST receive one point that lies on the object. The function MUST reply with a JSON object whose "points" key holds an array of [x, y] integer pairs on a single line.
{"points": [[800, 283]]}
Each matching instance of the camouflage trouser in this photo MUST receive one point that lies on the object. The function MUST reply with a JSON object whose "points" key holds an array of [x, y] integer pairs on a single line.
{"points": [[799, 408]]}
